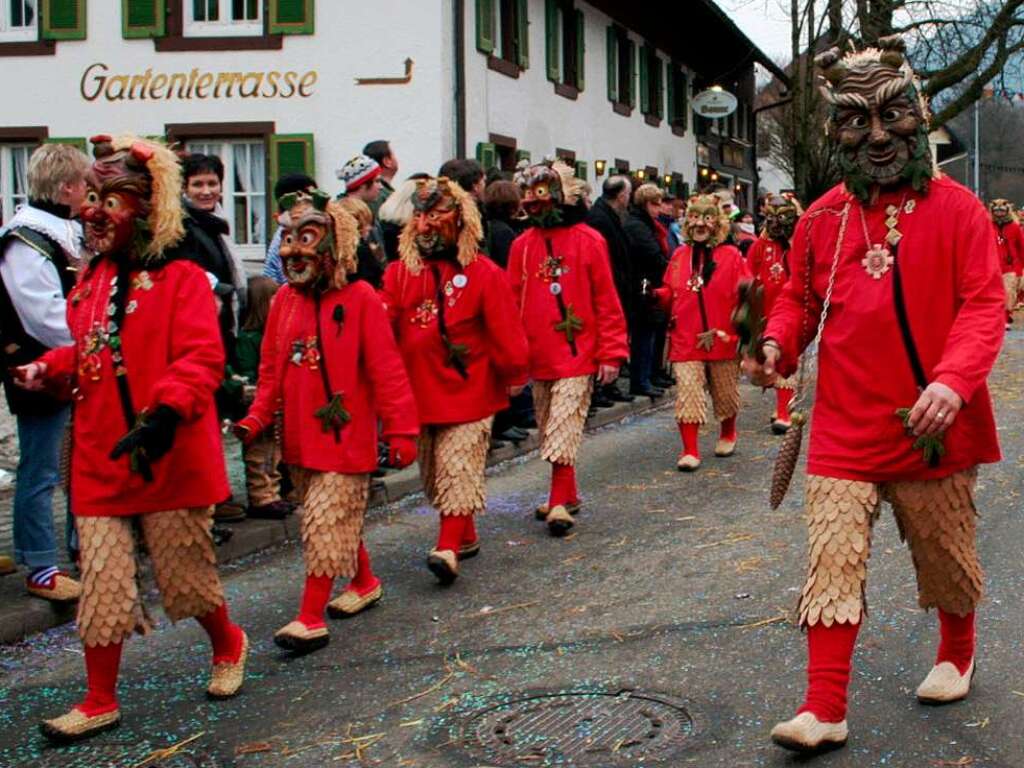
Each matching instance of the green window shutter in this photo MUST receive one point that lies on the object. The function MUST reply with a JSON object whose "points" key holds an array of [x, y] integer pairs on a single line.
{"points": [[522, 154], [684, 103], [290, 153], [612, 62], [670, 91], [553, 39], [292, 17], [645, 85], [632, 74], [486, 155], [75, 141], [523, 34], [582, 170], [581, 50], [143, 18], [485, 26], [62, 20], [659, 89]]}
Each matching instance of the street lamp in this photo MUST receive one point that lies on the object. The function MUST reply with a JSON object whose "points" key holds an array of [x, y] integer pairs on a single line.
{"points": [[641, 173], [599, 166]]}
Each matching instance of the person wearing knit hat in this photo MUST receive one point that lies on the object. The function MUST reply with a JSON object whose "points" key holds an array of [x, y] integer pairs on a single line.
{"points": [[361, 178]]}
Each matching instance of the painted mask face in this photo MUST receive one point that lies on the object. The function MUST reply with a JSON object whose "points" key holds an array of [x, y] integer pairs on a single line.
{"points": [[437, 220], [780, 215], [116, 204], [1001, 210], [542, 195], [307, 243], [704, 221]]}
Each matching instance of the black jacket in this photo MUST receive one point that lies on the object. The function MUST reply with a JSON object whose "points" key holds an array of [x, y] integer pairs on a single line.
{"points": [[646, 256], [607, 221], [499, 241]]}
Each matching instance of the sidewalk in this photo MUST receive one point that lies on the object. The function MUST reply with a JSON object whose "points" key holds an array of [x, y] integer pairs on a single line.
{"points": [[21, 615]]}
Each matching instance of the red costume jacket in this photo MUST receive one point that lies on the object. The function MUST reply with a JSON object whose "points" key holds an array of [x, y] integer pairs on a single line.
{"points": [[479, 315], [720, 296], [362, 363], [587, 288], [173, 354], [769, 264], [954, 298], [1010, 240]]}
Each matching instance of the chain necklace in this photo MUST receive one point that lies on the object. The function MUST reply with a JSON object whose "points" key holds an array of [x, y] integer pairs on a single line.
{"points": [[879, 259]]}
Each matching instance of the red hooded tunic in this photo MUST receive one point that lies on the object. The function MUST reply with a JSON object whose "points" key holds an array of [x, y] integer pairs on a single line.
{"points": [[769, 264], [1010, 240], [362, 363], [587, 288], [720, 298], [954, 298], [479, 314], [172, 351]]}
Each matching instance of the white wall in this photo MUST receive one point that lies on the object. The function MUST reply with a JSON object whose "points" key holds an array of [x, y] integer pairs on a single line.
{"points": [[528, 109], [353, 39]]}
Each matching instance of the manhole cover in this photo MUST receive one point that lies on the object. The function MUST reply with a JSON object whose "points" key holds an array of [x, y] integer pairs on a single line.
{"points": [[581, 729]]}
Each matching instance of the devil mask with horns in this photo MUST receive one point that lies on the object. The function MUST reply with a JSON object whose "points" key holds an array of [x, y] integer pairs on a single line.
{"points": [[318, 242], [878, 117], [1002, 212], [705, 222], [780, 216]]}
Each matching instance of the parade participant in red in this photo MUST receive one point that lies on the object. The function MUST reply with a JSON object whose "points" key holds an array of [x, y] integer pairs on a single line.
{"points": [[329, 361], [1010, 242], [701, 292], [769, 260], [454, 318], [147, 460], [562, 278], [899, 265]]}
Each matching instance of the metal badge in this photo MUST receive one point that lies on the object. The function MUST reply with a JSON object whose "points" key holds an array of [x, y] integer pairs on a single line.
{"points": [[460, 281], [556, 288]]}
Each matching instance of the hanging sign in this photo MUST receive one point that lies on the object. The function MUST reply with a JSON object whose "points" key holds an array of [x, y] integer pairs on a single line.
{"points": [[714, 103]]}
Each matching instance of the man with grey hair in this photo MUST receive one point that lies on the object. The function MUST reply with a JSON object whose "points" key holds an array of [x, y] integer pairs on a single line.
{"points": [[40, 251], [606, 216]]}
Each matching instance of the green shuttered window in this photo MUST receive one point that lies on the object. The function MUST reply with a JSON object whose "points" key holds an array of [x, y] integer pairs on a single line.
{"points": [[553, 40], [292, 17], [485, 26], [291, 153], [74, 141], [487, 155], [63, 19], [143, 18], [612, 60]]}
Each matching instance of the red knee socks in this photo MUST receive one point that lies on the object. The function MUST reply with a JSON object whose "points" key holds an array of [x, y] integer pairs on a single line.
{"points": [[563, 485], [225, 636], [691, 443], [783, 397], [469, 535], [315, 594], [364, 581], [829, 652], [728, 431], [452, 532], [956, 640], [102, 663]]}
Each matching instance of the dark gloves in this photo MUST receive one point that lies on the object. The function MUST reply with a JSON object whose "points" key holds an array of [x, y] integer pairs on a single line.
{"points": [[150, 438]]}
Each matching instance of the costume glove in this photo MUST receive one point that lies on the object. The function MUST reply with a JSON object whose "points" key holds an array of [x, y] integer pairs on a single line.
{"points": [[401, 451], [150, 438]]}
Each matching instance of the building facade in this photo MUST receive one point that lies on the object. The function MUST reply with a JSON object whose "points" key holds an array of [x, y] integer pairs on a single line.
{"points": [[275, 86]]}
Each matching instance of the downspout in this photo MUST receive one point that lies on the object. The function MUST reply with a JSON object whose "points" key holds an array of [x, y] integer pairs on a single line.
{"points": [[459, 12]]}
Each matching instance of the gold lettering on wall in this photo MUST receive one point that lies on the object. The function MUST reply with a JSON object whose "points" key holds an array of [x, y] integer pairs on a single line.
{"points": [[98, 83]]}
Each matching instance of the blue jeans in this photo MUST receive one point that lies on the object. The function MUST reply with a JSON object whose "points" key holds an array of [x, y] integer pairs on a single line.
{"points": [[39, 437]]}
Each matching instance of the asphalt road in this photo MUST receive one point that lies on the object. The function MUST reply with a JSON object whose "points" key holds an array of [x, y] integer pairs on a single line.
{"points": [[679, 585]]}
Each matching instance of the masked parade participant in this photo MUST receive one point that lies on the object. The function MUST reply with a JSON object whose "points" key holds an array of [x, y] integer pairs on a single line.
{"points": [[562, 278], [900, 264], [455, 322], [1010, 242], [701, 292], [769, 260], [147, 458], [329, 360]]}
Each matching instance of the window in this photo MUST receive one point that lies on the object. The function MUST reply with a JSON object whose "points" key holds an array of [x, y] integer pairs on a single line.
{"points": [[245, 190], [678, 97], [223, 18], [502, 31], [18, 20], [620, 54], [652, 101], [565, 47], [13, 177]]}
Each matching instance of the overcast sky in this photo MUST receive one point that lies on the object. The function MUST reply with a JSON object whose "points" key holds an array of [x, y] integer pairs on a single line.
{"points": [[764, 22]]}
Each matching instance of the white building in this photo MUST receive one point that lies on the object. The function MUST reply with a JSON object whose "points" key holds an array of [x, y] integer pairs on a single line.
{"points": [[281, 85]]}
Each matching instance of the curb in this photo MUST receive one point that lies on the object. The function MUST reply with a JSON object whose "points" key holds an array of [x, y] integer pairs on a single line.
{"points": [[22, 616]]}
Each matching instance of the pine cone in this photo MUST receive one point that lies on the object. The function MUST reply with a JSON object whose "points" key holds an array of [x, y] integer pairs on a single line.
{"points": [[785, 463]]}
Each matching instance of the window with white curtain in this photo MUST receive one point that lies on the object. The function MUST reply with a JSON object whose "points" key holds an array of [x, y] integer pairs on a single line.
{"points": [[13, 178], [223, 18], [18, 20], [244, 191]]}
